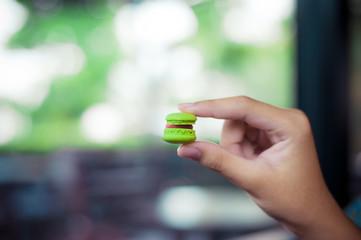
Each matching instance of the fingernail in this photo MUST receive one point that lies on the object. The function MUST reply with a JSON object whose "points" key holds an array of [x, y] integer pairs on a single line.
{"points": [[189, 152], [186, 105]]}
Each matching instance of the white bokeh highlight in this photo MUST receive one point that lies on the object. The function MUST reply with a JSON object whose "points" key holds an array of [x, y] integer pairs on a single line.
{"points": [[102, 123], [256, 22], [12, 124], [12, 18], [186, 78], [26, 74], [193, 207], [154, 23]]}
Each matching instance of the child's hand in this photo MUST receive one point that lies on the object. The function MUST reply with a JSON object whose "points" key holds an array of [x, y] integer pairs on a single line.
{"points": [[270, 153]]}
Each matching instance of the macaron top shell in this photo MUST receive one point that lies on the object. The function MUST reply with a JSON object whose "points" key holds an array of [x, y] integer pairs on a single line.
{"points": [[181, 119]]}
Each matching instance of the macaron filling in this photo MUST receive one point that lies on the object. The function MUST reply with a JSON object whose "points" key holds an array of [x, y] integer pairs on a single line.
{"points": [[180, 126]]}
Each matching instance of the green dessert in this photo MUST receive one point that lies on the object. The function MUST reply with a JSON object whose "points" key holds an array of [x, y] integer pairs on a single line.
{"points": [[179, 128]]}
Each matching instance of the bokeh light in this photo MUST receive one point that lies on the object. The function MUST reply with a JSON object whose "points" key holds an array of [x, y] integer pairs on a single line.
{"points": [[12, 17], [102, 123], [27, 74], [256, 22], [154, 24], [192, 207], [190, 202], [12, 124]]}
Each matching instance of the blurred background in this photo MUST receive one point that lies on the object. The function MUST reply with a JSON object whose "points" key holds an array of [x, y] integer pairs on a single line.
{"points": [[103, 74], [85, 87]]}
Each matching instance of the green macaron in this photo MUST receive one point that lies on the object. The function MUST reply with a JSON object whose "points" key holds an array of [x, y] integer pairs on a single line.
{"points": [[179, 128]]}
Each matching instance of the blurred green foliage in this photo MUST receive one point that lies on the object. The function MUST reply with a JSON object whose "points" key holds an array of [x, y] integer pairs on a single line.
{"points": [[55, 124]]}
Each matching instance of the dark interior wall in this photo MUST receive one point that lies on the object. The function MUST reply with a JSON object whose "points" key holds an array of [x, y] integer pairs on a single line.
{"points": [[322, 84]]}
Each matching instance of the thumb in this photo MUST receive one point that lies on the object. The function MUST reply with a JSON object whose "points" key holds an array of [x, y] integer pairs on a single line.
{"points": [[235, 168]]}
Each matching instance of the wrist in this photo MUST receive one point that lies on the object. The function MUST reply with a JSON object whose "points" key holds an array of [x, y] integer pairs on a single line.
{"points": [[324, 221]]}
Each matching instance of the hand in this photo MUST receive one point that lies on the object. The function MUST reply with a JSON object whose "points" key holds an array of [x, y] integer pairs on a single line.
{"points": [[270, 153]]}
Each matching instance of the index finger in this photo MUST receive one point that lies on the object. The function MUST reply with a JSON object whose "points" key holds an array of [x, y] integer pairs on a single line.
{"points": [[255, 113]]}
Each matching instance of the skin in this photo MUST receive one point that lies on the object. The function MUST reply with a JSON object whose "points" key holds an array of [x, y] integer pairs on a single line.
{"points": [[270, 153]]}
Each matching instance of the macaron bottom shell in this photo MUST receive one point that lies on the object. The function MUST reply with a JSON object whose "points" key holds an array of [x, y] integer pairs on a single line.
{"points": [[179, 135]]}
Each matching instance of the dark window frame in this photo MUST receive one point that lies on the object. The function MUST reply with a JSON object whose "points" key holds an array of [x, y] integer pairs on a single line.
{"points": [[323, 85]]}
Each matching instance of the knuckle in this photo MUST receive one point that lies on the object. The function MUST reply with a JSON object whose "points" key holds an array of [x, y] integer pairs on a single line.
{"points": [[245, 102], [244, 99], [300, 120]]}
